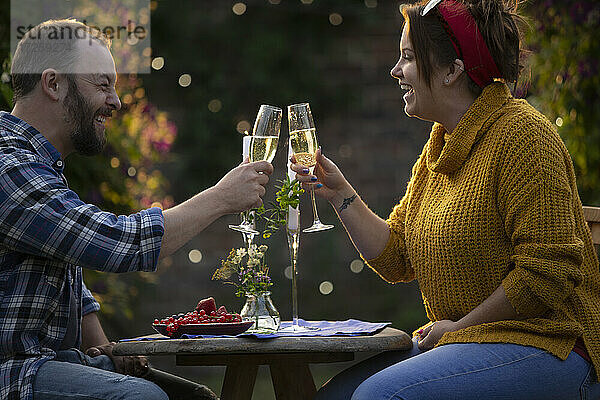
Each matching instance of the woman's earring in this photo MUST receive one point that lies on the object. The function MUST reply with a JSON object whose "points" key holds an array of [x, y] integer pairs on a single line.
{"points": [[447, 80]]}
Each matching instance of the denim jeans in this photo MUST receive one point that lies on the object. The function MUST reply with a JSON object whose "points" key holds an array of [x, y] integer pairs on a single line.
{"points": [[466, 371], [73, 375]]}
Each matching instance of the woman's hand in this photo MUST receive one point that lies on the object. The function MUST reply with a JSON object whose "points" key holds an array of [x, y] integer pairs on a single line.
{"points": [[432, 334], [327, 174]]}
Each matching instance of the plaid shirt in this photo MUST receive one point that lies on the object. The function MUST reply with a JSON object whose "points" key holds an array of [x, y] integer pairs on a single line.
{"points": [[46, 235]]}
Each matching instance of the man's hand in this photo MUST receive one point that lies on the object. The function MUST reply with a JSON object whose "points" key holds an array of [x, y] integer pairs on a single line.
{"points": [[127, 365], [433, 333], [243, 187]]}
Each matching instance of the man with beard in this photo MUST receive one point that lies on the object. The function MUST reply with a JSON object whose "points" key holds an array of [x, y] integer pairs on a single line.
{"points": [[51, 343]]}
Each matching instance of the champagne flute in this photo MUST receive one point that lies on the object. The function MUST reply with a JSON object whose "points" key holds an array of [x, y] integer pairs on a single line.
{"points": [[245, 226], [293, 237], [303, 141], [263, 146]]}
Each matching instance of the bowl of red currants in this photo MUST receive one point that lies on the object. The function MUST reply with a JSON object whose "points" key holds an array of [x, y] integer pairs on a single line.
{"points": [[205, 319]]}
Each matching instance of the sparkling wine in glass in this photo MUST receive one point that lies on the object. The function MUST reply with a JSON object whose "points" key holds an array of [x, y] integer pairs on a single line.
{"points": [[263, 146], [303, 141]]}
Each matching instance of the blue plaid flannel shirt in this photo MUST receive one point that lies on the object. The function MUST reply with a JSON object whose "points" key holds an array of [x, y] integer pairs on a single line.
{"points": [[46, 235]]}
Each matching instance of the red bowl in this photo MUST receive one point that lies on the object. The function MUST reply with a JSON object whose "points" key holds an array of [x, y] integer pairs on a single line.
{"points": [[224, 328]]}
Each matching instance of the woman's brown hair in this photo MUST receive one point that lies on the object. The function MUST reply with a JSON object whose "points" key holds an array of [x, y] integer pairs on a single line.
{"points": [[497, 21]]}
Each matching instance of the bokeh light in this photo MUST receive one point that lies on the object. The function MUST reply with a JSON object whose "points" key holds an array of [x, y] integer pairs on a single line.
{"points": [[357, 266], [114, 162], [195, 256], [215, 105], [335, 19], [559, 121], [127, 99], [288, 272], [239, 8], [243, 126], [132, 40], [158, 63], [326, 288], [371, 3], [131, 171], [559, 79], [185, 80]]}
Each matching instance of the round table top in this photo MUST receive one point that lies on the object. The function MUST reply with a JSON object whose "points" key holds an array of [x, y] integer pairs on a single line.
{"points": [[387, 339]]}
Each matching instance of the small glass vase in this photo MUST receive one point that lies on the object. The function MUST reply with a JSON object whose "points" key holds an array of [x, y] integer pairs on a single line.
{"points": [[260, 309]]}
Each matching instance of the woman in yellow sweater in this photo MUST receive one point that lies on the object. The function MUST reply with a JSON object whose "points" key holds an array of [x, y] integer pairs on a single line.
{"points": [[491, 226]]}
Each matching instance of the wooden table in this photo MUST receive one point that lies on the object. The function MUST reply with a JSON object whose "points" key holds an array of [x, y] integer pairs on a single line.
{"points": [[287, 357]]}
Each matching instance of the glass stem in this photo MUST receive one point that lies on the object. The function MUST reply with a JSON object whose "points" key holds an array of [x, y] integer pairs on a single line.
{"points": [[248, 237], [316, 219], [294, 242]]}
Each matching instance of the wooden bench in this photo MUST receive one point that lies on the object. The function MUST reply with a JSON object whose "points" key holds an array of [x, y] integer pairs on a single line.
{"points": [[592, 217]]}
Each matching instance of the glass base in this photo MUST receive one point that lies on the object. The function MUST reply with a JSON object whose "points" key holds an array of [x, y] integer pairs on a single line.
{"points": [[244, 229], [317, 227]]}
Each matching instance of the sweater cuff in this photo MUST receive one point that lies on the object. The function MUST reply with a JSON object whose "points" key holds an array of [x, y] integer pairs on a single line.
{"points": [[521, 296]]}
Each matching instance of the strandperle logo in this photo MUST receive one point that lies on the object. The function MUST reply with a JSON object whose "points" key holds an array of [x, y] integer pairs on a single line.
{"points": [[131, 30], [125, 22]]}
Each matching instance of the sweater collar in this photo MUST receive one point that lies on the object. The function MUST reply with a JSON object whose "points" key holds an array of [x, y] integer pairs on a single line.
{"points": [[447, 156]]}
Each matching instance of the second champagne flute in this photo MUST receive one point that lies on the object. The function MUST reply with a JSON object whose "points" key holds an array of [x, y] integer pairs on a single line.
{"points": [[303, 140], [263, 145]]}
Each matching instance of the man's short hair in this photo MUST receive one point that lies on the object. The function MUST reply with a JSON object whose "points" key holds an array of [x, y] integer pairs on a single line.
{"points": [[51, 44]]}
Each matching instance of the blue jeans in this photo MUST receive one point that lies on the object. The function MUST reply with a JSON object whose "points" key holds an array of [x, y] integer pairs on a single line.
{"points": [[466, 371], [73, 375]]}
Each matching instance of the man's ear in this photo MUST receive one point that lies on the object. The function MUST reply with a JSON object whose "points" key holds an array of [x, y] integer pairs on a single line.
{"points": [[454, 72], [52, 84]]}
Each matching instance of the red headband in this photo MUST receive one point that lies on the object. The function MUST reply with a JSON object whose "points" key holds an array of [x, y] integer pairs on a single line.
{"points": [[468, 42]]}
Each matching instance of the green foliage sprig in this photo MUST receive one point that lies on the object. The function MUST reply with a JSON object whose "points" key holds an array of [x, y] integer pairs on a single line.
{"points": [[288, 195]]}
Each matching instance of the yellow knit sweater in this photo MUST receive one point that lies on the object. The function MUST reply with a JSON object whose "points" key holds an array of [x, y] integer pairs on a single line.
{"points": [[497, 204]]}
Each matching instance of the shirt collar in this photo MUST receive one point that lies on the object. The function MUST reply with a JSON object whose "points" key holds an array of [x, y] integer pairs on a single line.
{"points": [[447, 156], [40, 144]]}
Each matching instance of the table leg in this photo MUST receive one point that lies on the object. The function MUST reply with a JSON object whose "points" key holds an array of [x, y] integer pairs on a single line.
{"points": [[292, 381], [239, 382]]}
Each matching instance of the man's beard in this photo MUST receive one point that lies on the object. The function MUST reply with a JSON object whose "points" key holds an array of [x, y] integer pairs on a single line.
{"points": [[80, 116]]}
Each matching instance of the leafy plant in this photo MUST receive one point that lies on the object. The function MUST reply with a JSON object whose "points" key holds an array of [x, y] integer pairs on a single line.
{"points": [[287, 196]]}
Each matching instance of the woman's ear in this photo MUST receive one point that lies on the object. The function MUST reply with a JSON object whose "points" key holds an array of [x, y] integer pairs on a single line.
{"points": [[454, 71]]}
